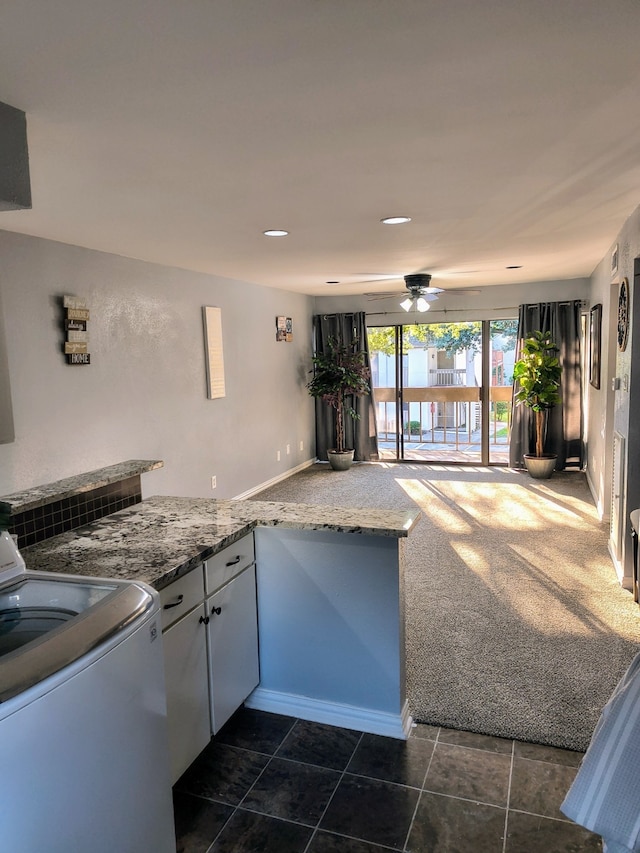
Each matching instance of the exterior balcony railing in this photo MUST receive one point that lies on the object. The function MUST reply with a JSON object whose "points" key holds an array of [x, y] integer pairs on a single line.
{"points": [[446, 415], [448, 376]]}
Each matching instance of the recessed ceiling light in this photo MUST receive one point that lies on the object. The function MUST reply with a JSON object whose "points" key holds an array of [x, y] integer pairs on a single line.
{"points": [[395, 220], [514, 267], [275, 232]]}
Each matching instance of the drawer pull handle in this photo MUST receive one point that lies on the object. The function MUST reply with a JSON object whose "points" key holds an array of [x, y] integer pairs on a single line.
{"points": [[233, 562], [204, 619], [175, 603], [216, 611]]}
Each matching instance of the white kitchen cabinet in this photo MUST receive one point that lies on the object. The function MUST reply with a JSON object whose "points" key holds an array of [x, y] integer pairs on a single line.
{"points": [[233, 645], [186, 670], [187, 687], [210, 639]]}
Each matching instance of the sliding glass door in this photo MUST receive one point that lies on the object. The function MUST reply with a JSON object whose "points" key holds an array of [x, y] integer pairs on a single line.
{"points": [[443, 390]]}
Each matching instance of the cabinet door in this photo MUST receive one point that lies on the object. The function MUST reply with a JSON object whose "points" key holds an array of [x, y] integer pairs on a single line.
{"points": [[233, 646], [185, 663]]}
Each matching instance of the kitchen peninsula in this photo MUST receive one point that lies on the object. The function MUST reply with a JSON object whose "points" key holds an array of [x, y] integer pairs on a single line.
{"points": [[330, 593]]}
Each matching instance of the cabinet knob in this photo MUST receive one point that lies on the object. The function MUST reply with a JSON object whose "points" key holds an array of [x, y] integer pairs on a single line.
{"points": [[175, 603], [216, 611], [204, 619]]}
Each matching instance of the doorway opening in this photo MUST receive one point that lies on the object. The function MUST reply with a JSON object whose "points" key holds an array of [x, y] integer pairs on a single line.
{"points": [[443, 391]]}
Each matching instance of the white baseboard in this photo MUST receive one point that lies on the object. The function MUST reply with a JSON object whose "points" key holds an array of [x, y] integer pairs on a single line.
{"points": [[332, 713], [251, 492], [603, 513], [625, 583]]}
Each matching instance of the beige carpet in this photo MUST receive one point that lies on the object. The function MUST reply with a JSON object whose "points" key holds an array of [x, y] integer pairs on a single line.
{"points": [[516, 623]]}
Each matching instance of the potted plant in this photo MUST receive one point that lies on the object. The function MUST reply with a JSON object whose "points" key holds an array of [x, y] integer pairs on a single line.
{"points": [[340, 374], [537, 373]]}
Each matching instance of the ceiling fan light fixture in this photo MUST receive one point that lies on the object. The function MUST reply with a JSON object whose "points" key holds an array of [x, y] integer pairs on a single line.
{"points": [[422, 304], [395, 220], [407, 304]]}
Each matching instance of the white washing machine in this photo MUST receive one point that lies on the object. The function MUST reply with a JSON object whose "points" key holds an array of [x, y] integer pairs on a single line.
{"points": [[84, 764]]}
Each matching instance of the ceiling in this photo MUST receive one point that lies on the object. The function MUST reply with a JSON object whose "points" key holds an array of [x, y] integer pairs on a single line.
{"points": [[177, 131]]}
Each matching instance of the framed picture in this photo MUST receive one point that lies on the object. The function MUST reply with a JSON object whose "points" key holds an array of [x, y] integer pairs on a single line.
{"points": [[614, 261], [284, 329], [595, 335]]}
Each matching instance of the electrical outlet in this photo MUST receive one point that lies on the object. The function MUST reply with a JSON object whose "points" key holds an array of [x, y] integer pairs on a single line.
{"points": [[288, 449], [302, 445], [277, 455], [213, 482]]}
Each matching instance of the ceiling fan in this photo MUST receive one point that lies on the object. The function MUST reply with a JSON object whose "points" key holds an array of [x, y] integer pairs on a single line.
{"points": [[419, 292]]}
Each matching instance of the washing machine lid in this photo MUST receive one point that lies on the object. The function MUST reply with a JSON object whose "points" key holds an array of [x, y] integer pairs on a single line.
{"points": [[11, 562], [48, 622]]}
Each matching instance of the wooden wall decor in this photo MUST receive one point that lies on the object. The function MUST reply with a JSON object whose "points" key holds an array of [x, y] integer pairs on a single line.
{"points": [[76, 317], [212, 318]]}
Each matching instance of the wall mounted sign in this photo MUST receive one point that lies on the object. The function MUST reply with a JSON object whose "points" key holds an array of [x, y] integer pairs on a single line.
{"points": [[212, 318], [284, 329], [76, 317]]}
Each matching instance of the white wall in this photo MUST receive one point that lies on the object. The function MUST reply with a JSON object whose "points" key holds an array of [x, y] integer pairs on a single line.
{"points": [[144, 394], [610, 410]]}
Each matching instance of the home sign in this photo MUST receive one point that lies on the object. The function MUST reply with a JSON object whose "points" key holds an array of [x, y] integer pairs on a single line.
{"points": [[76, 317]]}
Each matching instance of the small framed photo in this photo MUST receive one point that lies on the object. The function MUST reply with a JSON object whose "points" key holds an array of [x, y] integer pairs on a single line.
{"points": [[614, 261], [284, 329]]}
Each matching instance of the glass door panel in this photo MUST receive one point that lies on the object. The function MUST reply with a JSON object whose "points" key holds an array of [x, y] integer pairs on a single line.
{"points": [[427, 389], [441, 392], [383, 353], [502, 337]]}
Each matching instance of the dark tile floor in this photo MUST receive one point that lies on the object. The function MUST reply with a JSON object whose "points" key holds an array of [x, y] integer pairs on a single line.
{"points": [[277, 785]]}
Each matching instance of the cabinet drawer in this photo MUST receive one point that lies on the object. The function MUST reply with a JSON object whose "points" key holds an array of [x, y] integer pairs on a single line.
{"points": [[229, 562], [181, 596]]}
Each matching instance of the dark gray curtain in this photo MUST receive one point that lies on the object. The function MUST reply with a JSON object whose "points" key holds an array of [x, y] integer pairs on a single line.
{"points": [[349, 329], [564, 421]]}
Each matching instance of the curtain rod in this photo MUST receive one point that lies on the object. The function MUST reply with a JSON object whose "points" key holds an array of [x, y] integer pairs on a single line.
{"points": [[443, 311], [339, 314], [583, 303]]}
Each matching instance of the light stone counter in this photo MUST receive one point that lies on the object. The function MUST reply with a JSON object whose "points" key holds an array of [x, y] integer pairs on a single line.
{"points": [[41, 495], [162, 538]]}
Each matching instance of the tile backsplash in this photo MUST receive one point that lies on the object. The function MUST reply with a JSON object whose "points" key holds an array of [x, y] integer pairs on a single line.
{"points": [[42, 522]]}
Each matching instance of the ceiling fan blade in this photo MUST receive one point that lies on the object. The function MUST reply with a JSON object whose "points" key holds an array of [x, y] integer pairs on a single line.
{"points": [[388, 295]]}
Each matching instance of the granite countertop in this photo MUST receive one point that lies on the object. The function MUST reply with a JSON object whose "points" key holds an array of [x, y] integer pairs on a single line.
{"points": [[49, 492], [162, 538]]}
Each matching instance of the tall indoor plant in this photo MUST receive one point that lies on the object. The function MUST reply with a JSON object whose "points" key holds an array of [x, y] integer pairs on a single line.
{"points": [[538, 373], [340, 374]]}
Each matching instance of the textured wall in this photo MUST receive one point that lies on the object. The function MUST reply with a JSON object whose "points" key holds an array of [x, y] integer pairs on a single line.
{"points": [[144, 394]]}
